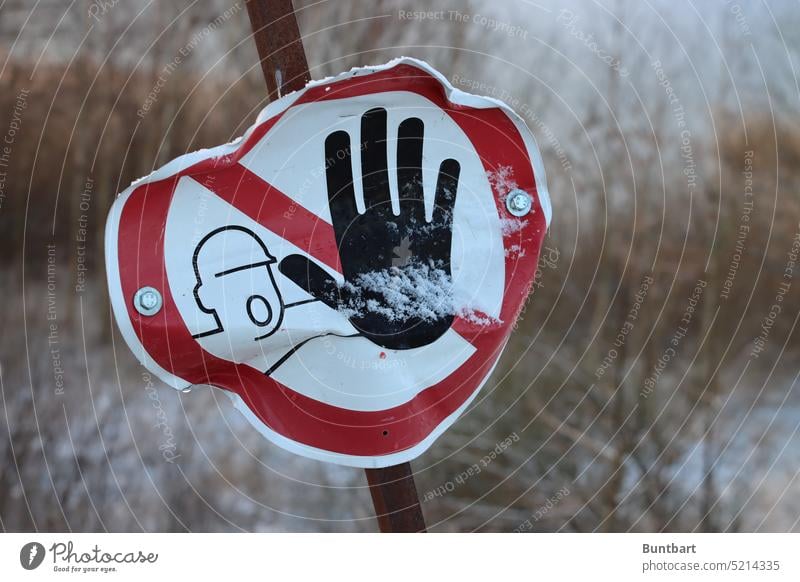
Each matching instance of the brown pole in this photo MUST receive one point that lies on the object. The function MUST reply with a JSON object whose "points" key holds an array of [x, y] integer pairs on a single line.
{"points": [[394, 496], [280, 48], [285, 68]]}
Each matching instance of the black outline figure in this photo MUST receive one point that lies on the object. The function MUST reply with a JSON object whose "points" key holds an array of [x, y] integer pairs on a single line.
{"points": [[265, 263]]}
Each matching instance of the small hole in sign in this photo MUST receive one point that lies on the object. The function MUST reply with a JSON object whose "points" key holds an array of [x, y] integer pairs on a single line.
{"points": [[386, 433]]}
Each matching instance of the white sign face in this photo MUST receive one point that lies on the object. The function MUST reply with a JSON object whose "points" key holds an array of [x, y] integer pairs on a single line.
{"points": [[348, 271]]}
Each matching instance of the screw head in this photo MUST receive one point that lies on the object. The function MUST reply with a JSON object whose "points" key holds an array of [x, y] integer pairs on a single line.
{"points": [[147, 301], [519, 202]]}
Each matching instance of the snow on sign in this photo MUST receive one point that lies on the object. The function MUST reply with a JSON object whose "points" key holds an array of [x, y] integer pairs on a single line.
{"points": [[348, 271]]}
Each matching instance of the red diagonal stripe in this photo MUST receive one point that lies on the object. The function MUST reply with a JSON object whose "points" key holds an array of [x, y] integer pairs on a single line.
{"points": [[275, 211]]}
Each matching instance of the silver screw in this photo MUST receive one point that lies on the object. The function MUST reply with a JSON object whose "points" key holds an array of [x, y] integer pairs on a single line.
{"points": [[518, 202], [147, 301]]}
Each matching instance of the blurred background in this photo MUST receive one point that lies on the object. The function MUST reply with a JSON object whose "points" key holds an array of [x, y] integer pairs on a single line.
{"points": [[651, 384]]}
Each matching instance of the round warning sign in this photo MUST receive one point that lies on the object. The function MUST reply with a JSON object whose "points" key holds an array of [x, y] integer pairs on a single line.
{"points": [[349, 270]]}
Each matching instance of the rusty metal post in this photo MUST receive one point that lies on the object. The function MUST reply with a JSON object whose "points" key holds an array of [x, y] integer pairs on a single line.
{"points": [[280, 48], [395, 498], [285, 68]]}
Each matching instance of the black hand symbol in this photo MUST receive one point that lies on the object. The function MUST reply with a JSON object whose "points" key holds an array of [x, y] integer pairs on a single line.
{"points": [[368, 242]]}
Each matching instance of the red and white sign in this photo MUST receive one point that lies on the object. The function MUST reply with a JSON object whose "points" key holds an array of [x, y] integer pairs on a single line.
{"points": [[349, 270]]}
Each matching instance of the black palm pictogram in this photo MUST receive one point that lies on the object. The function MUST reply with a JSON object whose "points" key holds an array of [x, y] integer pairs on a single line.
{"points": [[368, 242]]}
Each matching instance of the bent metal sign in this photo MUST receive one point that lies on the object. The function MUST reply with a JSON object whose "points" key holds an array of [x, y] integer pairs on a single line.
{"points": [[348, 271]]}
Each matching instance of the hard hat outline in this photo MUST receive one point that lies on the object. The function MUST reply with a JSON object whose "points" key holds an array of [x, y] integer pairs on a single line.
{"points": [[269, 260]]}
